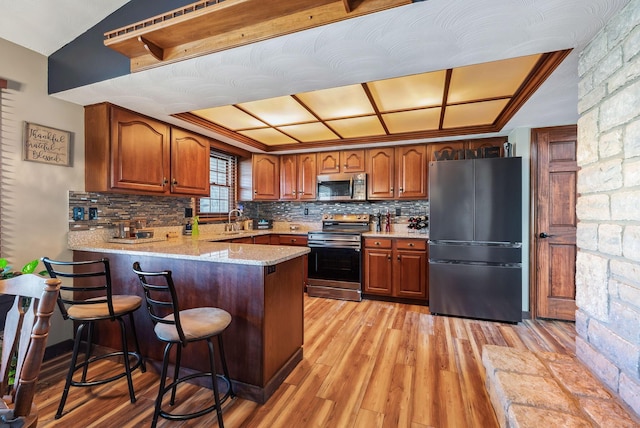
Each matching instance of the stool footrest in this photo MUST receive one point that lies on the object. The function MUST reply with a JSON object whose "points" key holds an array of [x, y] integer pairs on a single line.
{"points": [[138, 363], [185, 416]]}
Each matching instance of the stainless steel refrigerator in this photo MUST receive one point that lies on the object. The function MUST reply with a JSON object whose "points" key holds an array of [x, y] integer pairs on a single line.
{"points": [[475, 238]]}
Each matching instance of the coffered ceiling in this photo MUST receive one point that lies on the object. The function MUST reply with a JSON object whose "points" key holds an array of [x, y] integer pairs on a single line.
{"points": [[365, 54]]}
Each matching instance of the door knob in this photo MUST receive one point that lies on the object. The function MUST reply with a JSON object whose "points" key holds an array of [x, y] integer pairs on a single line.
{"points": [[544, 235]]}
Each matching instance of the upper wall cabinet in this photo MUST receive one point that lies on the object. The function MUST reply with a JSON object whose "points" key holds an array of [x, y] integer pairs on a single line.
{"points": [[130, 153], [397, 173], [298, 177], [266, 177], [341, 161]]}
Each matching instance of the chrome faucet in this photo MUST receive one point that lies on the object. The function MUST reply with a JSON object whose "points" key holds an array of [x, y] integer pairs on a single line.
{"points": [[232, 227]]}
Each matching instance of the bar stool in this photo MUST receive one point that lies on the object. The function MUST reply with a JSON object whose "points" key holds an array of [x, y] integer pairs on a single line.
{"points": [[92, 279], [181, 327]]}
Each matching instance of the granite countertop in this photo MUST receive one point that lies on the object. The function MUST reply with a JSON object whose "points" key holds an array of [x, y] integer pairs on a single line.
{"points": [[201, 249]]}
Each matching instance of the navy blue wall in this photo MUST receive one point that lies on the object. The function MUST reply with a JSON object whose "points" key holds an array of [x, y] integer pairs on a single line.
{"points": [[87, 60]]}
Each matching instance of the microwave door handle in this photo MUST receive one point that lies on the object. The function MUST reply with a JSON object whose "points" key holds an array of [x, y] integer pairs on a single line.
{"points": [[351, 187]]}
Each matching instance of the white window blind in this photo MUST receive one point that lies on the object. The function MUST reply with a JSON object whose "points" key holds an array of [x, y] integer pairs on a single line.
{"points": [[222, 183]]}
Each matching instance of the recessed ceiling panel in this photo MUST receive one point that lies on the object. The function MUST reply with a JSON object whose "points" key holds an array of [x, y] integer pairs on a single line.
{"points": [[309, 132], [336, 103], [279, 111], [412, 121], [473, 114], [268, 136], [490, 79], [230, 117], [365, 126], [456, 101], [402, 93]]}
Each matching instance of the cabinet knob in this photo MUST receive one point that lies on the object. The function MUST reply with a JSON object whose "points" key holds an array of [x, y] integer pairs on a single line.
{"points": [[389, 258], [377, 243], [255, 192], [391, 189], [411, 244], [164, 181], [401, 190], [398, 257], [174, 182]]}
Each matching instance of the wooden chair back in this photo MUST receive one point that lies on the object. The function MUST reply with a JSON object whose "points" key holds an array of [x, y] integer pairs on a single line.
{"points": [[23, 343]]}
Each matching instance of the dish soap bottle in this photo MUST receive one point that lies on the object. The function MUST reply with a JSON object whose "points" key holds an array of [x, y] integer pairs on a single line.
{"points": [[195, 231]]}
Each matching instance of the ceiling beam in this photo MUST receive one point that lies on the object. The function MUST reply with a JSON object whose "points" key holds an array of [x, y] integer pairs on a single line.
{"points": [[211, 26], [3, 84]]}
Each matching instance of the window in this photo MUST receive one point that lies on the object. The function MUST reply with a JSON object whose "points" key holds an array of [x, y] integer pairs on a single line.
{"points": [[222, 183]]}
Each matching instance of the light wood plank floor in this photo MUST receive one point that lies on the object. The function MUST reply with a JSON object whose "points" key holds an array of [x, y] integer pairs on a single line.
{"points": [[367, 364]]}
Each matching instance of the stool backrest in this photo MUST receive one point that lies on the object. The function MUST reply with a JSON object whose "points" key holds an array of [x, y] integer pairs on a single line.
{"points": [[91, 283], [25, 338], [160, 295]]}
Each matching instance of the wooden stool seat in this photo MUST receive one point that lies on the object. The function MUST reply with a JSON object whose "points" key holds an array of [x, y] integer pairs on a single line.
{"points": [[122, 305], [197, 324]]}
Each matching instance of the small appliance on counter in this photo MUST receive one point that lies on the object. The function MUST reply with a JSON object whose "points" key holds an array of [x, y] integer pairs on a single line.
{"points": [[262, 223], [188, 227]]}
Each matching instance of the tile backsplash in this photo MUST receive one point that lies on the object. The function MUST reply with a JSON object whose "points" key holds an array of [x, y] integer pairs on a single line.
{"points": [[161, 211]]}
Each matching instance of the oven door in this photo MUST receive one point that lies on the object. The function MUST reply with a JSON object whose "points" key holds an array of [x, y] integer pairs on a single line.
{"points": [[339, 265]]}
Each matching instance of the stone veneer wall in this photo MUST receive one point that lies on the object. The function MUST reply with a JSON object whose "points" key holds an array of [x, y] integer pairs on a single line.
{"points": [[608, 206]]}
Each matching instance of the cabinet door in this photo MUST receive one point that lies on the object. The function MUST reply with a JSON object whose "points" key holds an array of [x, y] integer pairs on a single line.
{"points": [[262, 239], [377, 271], [288, 177], [140, 157], [410, 274], [266, 177], [307, 177], [329, 162], [411, 172], [189, 163], [380, 165], [446, 151], [352, 160]]}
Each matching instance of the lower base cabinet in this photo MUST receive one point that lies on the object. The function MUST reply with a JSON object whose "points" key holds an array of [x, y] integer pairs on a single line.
{"points": [[396, 268]]}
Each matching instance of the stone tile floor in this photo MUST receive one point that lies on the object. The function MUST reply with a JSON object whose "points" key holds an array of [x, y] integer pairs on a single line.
{"points": [[545, 389]]}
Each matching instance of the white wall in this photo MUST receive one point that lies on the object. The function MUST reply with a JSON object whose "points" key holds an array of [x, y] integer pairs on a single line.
{"points": [[34, 196], [521, 140]]}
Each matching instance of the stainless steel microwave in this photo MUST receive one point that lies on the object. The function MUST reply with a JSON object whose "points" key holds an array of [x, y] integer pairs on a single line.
{"points": [[342, 187]]}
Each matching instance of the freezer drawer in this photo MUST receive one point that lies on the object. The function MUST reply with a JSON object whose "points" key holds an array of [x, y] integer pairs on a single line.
{"points": [[495, 254], [476, 291]]}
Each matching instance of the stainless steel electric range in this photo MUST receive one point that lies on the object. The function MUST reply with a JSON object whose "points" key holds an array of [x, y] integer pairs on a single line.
{"points": [[335, 261]]}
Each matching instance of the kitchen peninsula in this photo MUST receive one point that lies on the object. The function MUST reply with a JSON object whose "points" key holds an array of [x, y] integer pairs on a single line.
{"points": [[260, 286]]}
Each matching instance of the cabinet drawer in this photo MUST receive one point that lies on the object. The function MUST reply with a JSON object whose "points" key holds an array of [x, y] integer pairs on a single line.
{"points": [[377, 242], [293, 240], [411, 244]]}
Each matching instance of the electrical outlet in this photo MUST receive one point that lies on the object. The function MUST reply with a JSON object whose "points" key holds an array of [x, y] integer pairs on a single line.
{"points": [[306, 211], [398, 211], [93, 213], [78, 213]]}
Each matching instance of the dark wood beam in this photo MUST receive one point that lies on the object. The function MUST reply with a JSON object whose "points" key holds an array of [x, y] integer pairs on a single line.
{"points": [[3, 84]]}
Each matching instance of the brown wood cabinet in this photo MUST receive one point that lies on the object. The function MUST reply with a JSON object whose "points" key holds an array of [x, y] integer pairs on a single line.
{"points": [[397, 173], [129, 153], [465, 148], [344, 161], [396, 268], [266, 177], [411, 172], [298, 177]]}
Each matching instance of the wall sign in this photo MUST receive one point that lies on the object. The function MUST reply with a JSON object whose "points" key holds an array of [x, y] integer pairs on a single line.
{"points": [[47, 145]]}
